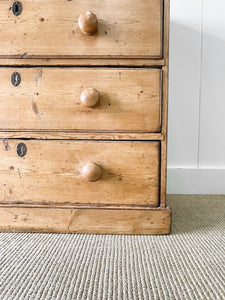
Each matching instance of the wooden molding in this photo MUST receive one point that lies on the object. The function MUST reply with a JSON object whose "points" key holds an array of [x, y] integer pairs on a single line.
{"points": [[86, 220]]}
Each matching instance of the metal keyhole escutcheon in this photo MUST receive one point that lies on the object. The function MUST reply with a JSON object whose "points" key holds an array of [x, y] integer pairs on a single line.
{"points": [[17, 8], [21, 149], [15, 79]]}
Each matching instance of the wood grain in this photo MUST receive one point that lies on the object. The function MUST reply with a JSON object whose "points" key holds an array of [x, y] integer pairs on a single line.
{"points": [[101, 221], [51, 172], [165, 69], [164, 106], [45, 191], [73, 135], [124, 62], [49, 98], [163, 164], [50, 29], [166, 30]]}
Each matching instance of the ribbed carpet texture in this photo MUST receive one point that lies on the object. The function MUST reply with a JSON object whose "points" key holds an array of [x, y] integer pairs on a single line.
{"points": [[188, 264]]}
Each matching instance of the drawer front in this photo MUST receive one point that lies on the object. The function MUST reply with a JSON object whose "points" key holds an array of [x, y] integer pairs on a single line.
{"points": [[61, 172], [40, 28], [60, 99]]}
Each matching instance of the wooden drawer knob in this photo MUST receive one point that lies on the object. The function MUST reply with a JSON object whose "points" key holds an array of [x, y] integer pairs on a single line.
{"points": [[92, 171], [88, 23], [90, 97]]}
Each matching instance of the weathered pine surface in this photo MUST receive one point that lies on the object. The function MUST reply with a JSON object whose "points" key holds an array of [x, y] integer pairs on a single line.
{"points": [[122, 141], [49, 98], [102, 221], [52, 172], [50, 29], [81, 135]]}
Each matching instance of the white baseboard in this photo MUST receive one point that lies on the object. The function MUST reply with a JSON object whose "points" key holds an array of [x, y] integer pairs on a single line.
{"points": [[195, 181]]}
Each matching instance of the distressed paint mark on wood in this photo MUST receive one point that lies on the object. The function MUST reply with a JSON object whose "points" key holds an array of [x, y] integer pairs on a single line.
{"points": [[36, 109], [6, 145], [38, 78]]}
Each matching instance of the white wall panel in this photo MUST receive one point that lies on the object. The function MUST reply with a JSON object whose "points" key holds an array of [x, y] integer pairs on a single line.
{"points": [[196, 138], [184, 82], [212, 111]]}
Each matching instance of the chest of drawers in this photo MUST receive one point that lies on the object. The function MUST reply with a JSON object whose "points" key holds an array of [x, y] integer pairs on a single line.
{"points": [[83, 116]]}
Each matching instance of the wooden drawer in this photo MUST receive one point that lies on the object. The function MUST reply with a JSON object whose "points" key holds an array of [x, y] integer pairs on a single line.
{"points": [[49, 99], [53, 172], [50, 29]]}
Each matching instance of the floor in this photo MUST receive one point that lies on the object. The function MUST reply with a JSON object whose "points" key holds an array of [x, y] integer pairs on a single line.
{"points": [[188, 264]]}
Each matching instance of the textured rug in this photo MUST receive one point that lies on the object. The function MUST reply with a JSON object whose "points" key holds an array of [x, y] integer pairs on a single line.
{"points": [[188, 264]]}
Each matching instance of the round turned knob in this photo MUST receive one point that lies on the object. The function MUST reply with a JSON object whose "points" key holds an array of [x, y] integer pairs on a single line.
{"points": [[90, 97], [88, 23], [92, 171]]}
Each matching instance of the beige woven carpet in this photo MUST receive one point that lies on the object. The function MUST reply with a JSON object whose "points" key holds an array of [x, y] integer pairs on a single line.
{"points": [[188, 264]]}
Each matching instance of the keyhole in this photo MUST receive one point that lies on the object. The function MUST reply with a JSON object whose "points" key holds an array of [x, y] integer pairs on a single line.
{"points": [[21, 149], [17, 8], [15, 79]]}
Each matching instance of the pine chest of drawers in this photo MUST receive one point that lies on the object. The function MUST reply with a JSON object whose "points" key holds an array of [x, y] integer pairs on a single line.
{"points": [[83, 116]]}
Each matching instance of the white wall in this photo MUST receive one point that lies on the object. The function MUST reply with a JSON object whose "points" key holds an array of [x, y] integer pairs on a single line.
{"points": [[196, 136]]}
